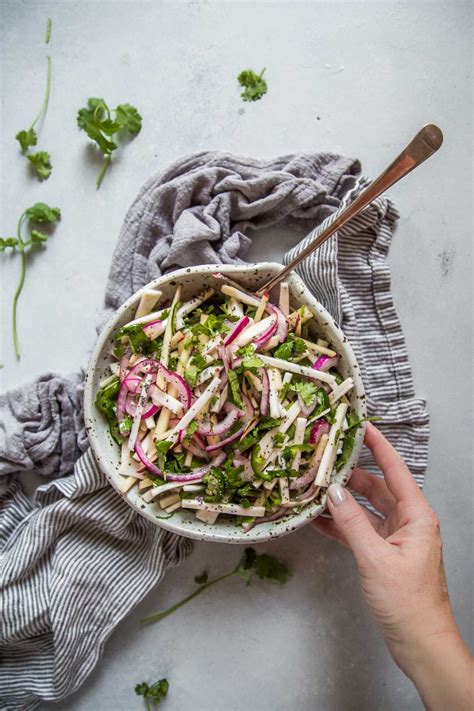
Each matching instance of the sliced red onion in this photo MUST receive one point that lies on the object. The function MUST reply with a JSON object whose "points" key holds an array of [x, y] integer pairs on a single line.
{"points": [[137, 418], [199, 440], [153, 329], [121, 403], [195, 475], [265, 398], [309, 493], [266, 335], [238, 328], [282, 511], [228, 440], [236, 363], [207, 429], [148, 364], [249, 411], [199, 453], [319, 428], [184, 391], [325, 362], [222, 353], [133, 385], [131, 407], [281, 330]]}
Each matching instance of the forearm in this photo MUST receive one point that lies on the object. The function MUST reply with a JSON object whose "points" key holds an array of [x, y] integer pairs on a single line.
{"points": [[442, 670]]}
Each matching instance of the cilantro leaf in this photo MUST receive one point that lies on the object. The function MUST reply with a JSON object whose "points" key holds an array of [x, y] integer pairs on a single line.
{"points": [[191, 375], [41, 161], [291, 348], [41, 212], [246, 351], [203, 578], [307, 390], [246, 564], [264, 566], [26, 139], [96, 120], [8, 242], [271, 569], [106, 403], [254, 85], [235, 388], [37, 237], [128, 117], [252, 363], [153, 694]]}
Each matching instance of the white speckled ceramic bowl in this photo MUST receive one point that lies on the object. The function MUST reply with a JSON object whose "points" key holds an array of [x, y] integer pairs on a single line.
{"points": [[107, 453]]}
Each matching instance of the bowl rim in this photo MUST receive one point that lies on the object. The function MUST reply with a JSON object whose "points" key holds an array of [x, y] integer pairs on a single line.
{"points": [[268, 531]]}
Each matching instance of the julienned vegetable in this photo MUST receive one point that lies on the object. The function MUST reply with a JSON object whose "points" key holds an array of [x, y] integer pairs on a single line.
{"points": [[226, 405]]}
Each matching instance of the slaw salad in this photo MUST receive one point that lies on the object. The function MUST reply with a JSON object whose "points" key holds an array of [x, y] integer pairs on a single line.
{"points": [[224, 404]]}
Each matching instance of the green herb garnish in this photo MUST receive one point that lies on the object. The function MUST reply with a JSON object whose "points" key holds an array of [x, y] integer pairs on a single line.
{"points": [[292, 348], [263, 566], [254, 85], [106, 403], [154, 694], [306, 390], [27, 138], [102, 125], [235, 389], [39, 213]]}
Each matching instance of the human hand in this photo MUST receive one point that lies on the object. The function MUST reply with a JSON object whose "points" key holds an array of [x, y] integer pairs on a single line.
{"points": [[399, 557]]}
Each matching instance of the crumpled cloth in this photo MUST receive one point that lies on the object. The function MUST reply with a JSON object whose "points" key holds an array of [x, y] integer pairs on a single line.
{"points": [[79, 559]]}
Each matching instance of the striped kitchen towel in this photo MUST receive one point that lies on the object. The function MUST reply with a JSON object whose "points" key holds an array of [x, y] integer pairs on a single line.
{"points": [[78, 559]]}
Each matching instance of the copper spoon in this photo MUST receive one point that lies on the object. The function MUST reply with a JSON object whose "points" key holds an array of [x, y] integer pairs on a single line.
{"points": [[422, 146]]}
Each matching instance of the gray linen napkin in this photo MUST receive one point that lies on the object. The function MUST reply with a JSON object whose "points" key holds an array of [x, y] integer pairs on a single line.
{"points": [[80, 559]]}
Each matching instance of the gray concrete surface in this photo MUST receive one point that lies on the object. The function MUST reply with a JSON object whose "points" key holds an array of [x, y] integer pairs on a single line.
{"points": [[354, 77]]}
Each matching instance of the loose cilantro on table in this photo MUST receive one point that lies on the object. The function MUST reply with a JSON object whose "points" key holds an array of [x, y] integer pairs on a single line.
{"points": [[264, 566], [254, 85], [102, 127], [154, 694], [27, 138], [39, 213]]}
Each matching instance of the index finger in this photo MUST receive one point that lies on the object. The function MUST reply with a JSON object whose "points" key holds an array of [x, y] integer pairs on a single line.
{"points": [[398, 477]]}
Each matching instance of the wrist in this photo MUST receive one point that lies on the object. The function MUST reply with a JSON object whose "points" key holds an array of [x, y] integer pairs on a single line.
{"points": [[411, 646], [440, 666]]}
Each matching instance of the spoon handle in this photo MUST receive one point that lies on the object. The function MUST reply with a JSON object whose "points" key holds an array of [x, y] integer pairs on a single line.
{"points": [[422, 146]]}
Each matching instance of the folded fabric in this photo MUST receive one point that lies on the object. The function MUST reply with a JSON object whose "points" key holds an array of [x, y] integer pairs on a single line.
{"points": [[76, 562]]}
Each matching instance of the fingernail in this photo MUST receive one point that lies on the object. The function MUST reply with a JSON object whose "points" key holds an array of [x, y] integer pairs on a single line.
{"points": [[337, 494]]}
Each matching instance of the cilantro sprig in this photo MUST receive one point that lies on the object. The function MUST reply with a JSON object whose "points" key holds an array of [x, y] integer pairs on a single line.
{"points": [[27, 138], [154, 694], [102, 124], [254, 85], [39, 213], [264, 566]]}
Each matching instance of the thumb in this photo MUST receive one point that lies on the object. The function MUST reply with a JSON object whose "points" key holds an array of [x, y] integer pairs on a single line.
{"points": [[352, 522]]}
